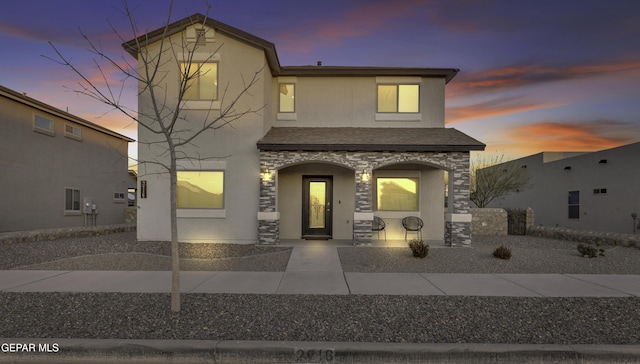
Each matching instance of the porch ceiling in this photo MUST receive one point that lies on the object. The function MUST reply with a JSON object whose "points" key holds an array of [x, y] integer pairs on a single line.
{"points": [[368, 139]]}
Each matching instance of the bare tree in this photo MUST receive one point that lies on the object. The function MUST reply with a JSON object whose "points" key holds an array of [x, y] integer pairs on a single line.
{"points": [[166, 118], [492, 178]]}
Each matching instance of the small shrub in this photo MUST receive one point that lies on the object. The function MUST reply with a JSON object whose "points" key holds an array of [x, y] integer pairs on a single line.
{"points": [[502, 252], [419, 248], [589, 251]]}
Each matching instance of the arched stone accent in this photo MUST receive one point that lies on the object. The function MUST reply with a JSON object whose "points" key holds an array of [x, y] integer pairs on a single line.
{"points": [[457, 229]]}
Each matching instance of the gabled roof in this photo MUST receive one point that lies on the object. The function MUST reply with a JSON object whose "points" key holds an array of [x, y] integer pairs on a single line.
{"points": [[25, 100], [272, 57], [368, 139]]}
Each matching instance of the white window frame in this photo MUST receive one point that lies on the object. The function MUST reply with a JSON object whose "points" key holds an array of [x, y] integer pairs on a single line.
{"points": [[287, 116], [201, 57], [399, 116], [72, 212], [205, 166], [44, 130], [72, 135]]}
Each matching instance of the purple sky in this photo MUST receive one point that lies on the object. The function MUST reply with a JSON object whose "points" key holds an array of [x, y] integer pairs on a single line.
{"points": [[535, 75]]}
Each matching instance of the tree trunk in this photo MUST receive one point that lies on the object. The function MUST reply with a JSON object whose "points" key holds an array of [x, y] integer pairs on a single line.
{"points": [[175, 252]]}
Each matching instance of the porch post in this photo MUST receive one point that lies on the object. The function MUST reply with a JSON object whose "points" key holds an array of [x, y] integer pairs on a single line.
{"points": [[268, 217], [458, 218], [363, 215]]}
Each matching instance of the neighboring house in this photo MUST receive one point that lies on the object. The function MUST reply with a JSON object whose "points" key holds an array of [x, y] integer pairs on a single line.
{"points": [[314, 161], [589, 191], [51, 161]]}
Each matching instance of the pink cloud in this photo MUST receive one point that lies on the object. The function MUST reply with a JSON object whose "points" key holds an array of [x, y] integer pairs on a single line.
{"points": [[496, 107]]}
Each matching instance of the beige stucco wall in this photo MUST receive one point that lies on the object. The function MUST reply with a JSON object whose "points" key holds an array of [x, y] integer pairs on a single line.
{"points": [[353, 101], [36, 168], [231, 148]]}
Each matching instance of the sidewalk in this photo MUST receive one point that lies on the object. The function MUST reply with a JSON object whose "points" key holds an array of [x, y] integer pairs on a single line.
{"points": [[317, 270]]}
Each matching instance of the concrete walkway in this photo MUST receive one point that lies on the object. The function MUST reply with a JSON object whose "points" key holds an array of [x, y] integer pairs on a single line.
{"points": [[317, 270]]}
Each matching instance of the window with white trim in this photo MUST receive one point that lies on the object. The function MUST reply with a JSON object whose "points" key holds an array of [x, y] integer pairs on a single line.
{"points": [[397, 193], [119, 197], [200, 190], [72, 200], [287, 97], [398, 98], [73, 132], [202, 80], [43, 124]]}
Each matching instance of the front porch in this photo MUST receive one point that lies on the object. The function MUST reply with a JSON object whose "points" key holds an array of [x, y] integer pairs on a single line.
{"points": [[356, 156]]}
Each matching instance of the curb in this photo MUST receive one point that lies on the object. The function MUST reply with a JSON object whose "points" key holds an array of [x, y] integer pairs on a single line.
{"points": [[227, 351]]}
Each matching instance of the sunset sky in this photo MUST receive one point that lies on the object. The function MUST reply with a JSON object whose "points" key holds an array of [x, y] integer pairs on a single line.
{"points": [[543, 75]]}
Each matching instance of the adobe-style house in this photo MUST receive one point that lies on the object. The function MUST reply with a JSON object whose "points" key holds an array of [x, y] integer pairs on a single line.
{"points": [[597, 191], [329, 148], [52, 161]]}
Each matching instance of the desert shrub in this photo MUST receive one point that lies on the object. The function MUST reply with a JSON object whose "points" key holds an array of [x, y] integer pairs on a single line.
{"points": [[502, 252], [589, 251], [419, 248]]}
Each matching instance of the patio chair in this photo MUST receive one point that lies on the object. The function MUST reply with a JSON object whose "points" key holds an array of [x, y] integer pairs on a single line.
{"points": [[413, 224], [378, 226]]}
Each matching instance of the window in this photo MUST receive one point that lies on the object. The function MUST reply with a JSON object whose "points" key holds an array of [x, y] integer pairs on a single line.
{"points": [[71, 200], [287, 97], [73, 132], [43, 125], [398, 98], [202, 81], [599, 191], [574, 204], [200, 190], [118, 197], [397, 194]]}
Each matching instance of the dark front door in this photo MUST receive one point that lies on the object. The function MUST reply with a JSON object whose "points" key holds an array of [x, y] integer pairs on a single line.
{"points": [[316, 207]]}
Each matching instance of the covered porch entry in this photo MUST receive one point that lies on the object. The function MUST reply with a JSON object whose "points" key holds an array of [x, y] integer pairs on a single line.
{"points": [[326, 182]]}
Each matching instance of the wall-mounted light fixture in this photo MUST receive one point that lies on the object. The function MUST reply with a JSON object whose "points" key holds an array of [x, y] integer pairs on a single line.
{"points": [[567, 168], [265, 175], [603, 161], [365, 176]]}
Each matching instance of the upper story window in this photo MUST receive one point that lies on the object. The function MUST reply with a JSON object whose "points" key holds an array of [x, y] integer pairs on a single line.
{"points": [[73, 132], [287, 97], [398, 98], [43, 125], [203, 80]]}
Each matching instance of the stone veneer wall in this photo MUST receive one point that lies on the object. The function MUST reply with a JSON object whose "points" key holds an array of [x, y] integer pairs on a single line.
{"points": [[489, 221], [63, 233], [585, 236], [130, 215], [455, 162]]}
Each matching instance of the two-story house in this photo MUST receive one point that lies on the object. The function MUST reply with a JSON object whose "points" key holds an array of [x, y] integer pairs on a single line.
{"points": [[328, 149], [52, 162]]}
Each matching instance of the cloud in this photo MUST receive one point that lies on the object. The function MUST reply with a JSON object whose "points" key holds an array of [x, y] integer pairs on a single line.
{"points": [[569, 136], [514, 76], [360, 21], [500, 106]]}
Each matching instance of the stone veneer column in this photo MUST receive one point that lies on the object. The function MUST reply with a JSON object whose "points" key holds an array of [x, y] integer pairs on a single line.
{"points": [[268, 217], [363, 215], [458, 219]]}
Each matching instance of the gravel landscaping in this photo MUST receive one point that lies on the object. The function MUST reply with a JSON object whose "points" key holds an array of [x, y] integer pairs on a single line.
{"points": [[351, 318]]}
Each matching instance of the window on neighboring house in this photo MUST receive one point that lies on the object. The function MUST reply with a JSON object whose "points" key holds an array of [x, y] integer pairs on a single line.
{"points": [[202, 81], [599, 191], [574, 204], [397, 194], [287, 97], [72, 132], [43, 124], [398, 98], [200, 190], [119, 196], [71, 200]]}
